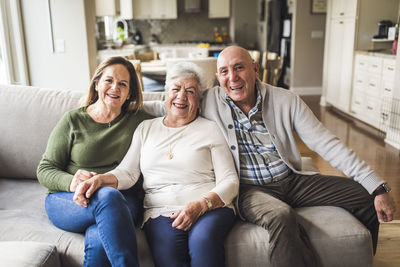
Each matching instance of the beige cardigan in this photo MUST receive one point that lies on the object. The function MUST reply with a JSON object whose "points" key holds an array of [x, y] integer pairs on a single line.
{"points": [[284, 113]]}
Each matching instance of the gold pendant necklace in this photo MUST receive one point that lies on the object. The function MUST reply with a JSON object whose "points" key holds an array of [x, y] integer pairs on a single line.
{"points": [[170, 155]]}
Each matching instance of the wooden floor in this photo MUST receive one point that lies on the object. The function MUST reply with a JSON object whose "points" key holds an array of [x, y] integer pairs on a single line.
{"points": [[365, 141], [369, 145], [387, 254]]}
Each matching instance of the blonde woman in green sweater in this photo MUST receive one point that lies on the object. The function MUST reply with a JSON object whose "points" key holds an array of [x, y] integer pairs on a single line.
{"points": [[90, 140]]}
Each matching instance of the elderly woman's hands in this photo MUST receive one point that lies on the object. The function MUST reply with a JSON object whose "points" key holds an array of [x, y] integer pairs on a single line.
{"points": [[80, 176], [85, 189], [186, 217]]}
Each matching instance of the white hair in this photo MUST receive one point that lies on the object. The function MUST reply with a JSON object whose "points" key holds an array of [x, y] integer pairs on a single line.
{"points": [[183, 70]]}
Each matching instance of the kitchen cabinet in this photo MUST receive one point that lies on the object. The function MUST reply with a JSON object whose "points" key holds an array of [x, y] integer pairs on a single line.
{"points": [[126, 9], [351, 24], [155, 9], [107, 8], [344, 9], [373, 85], [340, 58], [339, 45], [219, 9], [142, 9], [165, 9]]}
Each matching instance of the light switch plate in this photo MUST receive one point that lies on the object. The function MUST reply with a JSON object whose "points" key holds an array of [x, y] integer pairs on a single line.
{"points": [[317, 34], [60, 46]]}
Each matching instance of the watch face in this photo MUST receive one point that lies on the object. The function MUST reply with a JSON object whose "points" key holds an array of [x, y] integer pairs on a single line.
{"points": [[387, 187]]}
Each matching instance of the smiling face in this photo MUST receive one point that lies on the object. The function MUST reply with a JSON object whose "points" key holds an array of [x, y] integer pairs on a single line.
{"points": [[183, 100], [237, 74], [113, 86]]}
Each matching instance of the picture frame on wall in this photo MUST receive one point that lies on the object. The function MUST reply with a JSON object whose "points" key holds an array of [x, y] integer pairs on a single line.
{"points": [[318, 6]]}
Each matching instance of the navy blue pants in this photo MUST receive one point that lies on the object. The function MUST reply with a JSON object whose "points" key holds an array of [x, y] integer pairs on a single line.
{"points": [[202, 245]]}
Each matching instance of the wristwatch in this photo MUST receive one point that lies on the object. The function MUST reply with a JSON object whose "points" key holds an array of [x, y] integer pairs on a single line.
{"points": [[382, 189], [208, 203]]}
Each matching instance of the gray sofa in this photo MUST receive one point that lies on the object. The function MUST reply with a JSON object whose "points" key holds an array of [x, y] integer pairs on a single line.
{"points": [[28, 238]]}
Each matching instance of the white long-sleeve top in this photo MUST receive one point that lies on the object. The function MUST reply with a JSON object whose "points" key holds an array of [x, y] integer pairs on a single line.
{"points": [[202, 162]]}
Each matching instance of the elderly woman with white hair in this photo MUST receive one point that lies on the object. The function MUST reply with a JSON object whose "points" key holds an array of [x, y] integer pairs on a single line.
{"points": [[189, 177]]}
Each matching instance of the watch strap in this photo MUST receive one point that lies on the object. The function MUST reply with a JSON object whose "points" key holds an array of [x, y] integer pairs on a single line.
{"points": [[382, 189], [208, 203]]}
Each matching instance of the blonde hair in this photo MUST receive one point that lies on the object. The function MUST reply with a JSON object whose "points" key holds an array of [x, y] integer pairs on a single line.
{"points": [[134, 103]]}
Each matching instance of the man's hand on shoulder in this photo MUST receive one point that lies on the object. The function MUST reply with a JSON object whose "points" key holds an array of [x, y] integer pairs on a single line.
{"points": [[384, 206]]}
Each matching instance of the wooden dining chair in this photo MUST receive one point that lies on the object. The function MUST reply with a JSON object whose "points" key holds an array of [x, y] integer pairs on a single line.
{"points": [[255, 55], [208, 65], [146, 56], [272, 65], [138, 69]]}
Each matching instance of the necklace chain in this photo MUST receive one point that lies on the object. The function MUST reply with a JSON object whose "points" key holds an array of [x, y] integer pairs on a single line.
{"points": [[97, 117], [170, 155]]}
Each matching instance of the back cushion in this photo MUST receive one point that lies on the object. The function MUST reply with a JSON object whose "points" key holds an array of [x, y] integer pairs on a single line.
{"points": [[27, 116]]}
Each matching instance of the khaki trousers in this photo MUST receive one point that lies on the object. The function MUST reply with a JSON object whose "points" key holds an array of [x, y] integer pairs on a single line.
{"points": [[271, 206]]}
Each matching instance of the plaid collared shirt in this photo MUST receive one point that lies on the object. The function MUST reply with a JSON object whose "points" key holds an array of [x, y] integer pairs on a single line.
{"points": [[260, 162]]}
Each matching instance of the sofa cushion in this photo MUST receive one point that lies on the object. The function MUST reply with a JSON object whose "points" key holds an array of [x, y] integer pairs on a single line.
{"points": [[338, 238], [28, 115], [24, 219], [28, 254]]}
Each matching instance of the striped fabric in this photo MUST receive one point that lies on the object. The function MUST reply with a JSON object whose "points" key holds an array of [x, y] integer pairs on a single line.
{"points": [[260, 162]]}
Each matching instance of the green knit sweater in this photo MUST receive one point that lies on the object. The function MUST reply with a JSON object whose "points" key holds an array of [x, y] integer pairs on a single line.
{"points": [[78, 142]]}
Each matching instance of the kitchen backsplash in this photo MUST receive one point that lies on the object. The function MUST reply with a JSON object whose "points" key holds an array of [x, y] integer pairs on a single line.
{"points": [[188, 27]]}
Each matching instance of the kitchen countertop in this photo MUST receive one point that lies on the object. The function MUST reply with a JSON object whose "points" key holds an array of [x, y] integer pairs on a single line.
{"points": [[191, 45], [185, 50], [132, 48], [376, 54]]}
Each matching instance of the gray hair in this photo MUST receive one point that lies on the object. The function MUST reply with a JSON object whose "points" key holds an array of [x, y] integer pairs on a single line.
{"points": [[183, 70]]}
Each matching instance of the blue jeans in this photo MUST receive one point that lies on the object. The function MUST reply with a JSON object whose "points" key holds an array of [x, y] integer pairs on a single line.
{"points": [[108, 223], [202, 245]]}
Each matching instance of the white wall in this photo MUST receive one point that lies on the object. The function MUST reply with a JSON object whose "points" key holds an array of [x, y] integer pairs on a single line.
{"points": [[62, 70], [307, 51], [244, 17]]}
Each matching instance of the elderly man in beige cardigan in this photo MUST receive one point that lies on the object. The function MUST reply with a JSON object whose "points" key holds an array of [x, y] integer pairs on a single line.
{"points": [[259, 122]]}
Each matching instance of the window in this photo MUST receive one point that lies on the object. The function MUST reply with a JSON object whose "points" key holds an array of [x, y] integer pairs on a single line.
{"points": [[13, 67], [4, 70]]}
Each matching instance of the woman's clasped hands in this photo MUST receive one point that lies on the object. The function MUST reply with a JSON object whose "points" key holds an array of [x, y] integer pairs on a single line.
{"points": [[84, 184], [87, 183]]}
